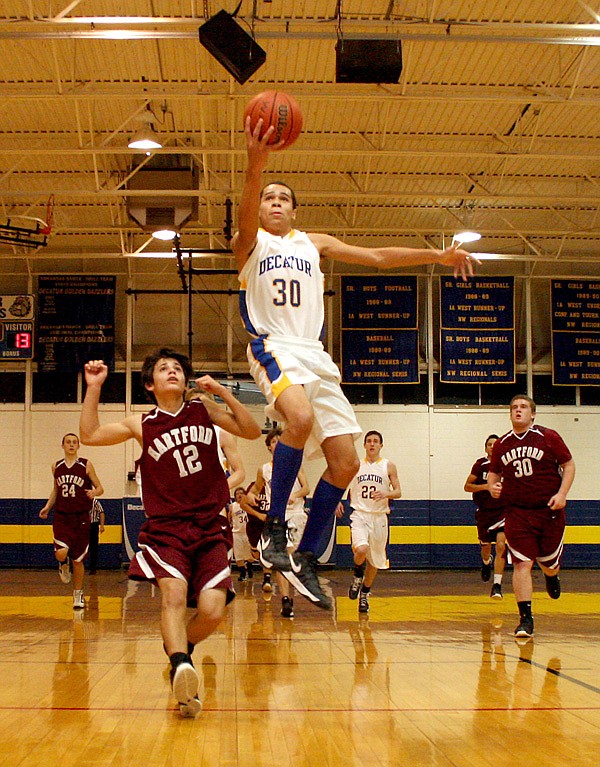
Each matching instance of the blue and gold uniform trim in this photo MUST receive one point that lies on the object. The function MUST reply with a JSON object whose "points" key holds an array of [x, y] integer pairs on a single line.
{"points": [[267, 360]]}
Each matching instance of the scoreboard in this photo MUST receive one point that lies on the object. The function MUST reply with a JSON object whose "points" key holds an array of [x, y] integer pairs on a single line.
{"points": [[16, 327]]}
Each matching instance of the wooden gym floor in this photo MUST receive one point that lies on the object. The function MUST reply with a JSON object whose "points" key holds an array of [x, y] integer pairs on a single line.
{"points": [[431, 678]]}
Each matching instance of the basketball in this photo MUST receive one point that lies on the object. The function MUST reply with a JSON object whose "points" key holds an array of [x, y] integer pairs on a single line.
{"points": [[278, 109]]}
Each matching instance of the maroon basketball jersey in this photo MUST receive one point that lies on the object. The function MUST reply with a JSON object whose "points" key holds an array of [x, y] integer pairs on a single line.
{"points": [[482, 498], [181, 474], [71, 484], [530, 465]]}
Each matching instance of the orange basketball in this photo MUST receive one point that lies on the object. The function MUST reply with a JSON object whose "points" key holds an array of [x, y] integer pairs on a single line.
{"points": [[278, 109]]}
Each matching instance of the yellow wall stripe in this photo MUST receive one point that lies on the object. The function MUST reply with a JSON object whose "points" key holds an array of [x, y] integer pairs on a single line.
{"points": [[43, 534], [462, 534], [408, 534]]}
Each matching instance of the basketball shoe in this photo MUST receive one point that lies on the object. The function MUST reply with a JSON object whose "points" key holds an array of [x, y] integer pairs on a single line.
{"points": [[525, 628], [287, 607], [363, 602], [355, 586], [486, 570], [552, 586], [64, 570], [302, 574], [78, 600], [496, 592], [184, 682], [272, 545]]}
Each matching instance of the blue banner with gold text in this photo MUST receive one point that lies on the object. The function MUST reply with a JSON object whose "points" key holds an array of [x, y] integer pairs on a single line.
{"points": [[380, 337], [477, 330], [575, 332]]}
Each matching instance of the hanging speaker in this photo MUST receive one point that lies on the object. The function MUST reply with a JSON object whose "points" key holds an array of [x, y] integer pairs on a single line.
{"points": [[231, 46], [368, 61]]}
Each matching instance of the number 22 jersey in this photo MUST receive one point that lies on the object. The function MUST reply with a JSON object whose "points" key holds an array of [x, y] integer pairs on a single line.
{"points": [[181, 474], [372, 476]]}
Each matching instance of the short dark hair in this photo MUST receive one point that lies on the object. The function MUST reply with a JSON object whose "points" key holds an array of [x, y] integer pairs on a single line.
{"points": [[527, 398], [368, 434], [276, 432], [287, 186], [163, 354], [489, 437], [69, 434]]}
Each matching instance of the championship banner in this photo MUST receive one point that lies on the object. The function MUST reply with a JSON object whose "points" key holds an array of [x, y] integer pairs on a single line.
{"points": [[477, 330], [380, 337], [575, 333], [76, 321]]}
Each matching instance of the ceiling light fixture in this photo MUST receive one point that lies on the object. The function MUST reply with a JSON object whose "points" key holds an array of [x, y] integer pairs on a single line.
{"points": [[146, 137], [164, 234], [460, 238]]}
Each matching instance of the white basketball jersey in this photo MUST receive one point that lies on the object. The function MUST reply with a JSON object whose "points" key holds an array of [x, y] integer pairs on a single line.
{"points": [[239, 518], [370, 478], [222, 456], [282, 287], [297, 506]]}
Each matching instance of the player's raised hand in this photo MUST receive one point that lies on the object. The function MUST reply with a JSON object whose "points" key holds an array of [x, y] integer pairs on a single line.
{"points": [[208, 384], [95, 372], [257, 146], [461, 260]]}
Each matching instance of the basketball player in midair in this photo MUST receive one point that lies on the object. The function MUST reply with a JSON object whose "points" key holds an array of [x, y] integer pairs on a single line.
{"points": [[489, 517], [75, 485], [537, 471], [375, 483], [184, 544], [281, 303]]}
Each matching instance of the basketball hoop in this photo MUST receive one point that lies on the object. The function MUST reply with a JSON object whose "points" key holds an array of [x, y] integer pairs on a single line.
{"points": [[47, 225], [26, 235]]}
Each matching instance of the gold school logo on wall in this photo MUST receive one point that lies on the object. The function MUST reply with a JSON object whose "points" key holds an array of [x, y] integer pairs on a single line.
{"points": [[16, 307]]}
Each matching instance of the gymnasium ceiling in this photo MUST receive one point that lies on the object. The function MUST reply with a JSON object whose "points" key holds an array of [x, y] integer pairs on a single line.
{"points": [[493, 125]]}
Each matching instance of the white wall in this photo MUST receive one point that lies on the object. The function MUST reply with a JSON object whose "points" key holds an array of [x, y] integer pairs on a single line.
{"points": [[433, 449]]}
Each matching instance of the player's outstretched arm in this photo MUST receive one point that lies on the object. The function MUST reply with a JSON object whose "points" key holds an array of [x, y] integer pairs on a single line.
{"points": [[91, 432], [238, 420], [461, 261], [258, 155]]}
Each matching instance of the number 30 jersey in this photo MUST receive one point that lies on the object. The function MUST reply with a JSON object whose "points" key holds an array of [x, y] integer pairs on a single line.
{"points": [[371, 476], [282, 287], [180, 471], [529, 464]]}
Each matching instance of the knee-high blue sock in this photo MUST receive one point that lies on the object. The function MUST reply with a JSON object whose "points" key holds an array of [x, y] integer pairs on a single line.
{"points": [[324, 504], [286, 465]]}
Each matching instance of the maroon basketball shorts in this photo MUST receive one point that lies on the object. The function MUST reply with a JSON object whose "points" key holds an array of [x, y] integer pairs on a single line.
{"points": [[194, 550], [72, 531], [254, 528], [490, 522], [535, 534]]}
